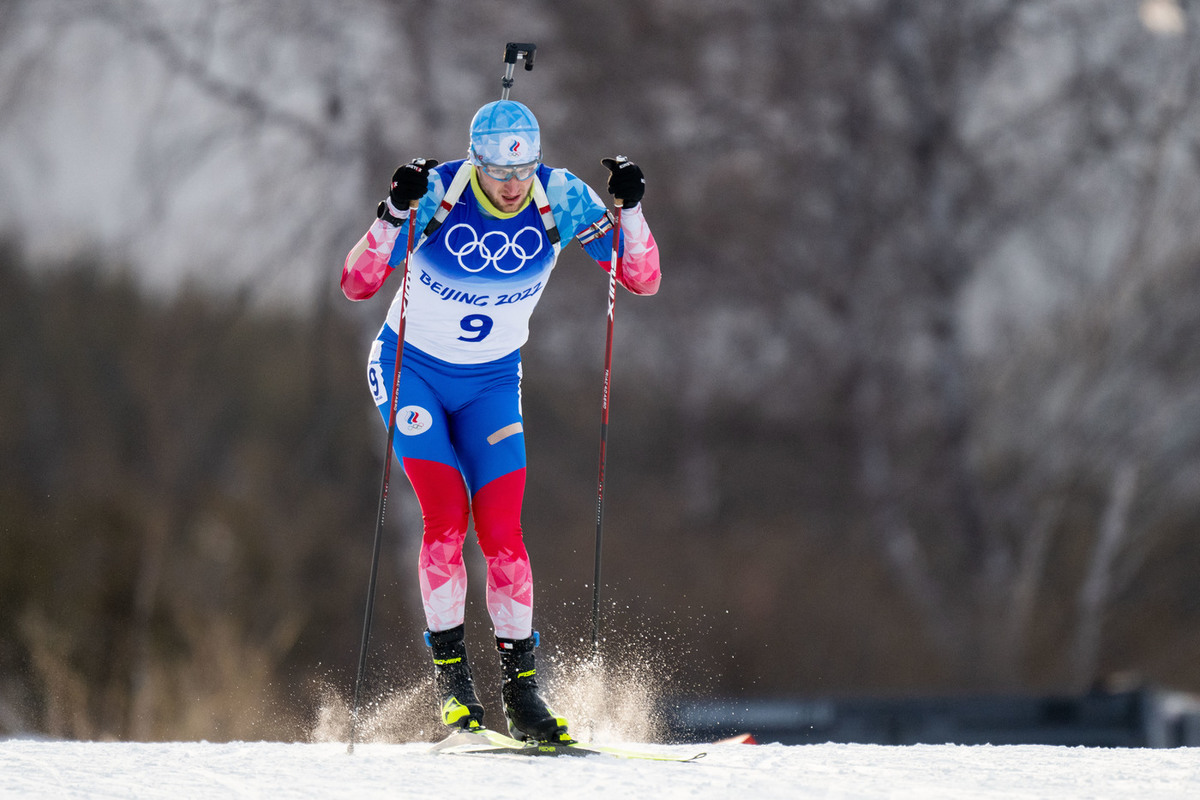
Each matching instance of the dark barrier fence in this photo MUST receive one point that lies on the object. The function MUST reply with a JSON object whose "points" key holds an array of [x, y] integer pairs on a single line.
{"points": [[1137, 718]]}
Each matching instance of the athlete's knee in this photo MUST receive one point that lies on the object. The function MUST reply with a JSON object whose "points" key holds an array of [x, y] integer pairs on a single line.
{"points": [[443, 498], [497, 509]]}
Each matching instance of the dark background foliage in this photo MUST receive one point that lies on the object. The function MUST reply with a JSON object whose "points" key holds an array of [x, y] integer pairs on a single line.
{"points": [[916, 410]]}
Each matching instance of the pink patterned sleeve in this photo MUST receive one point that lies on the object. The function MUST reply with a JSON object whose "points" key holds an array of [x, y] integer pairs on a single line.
{"points": [[638, 269], [366, 266]]}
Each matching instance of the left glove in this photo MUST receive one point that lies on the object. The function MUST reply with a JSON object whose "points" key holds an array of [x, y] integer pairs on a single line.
{"points": [[626, 181]]}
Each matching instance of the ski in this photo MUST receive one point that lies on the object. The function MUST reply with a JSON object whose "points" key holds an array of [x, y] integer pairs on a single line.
{"points": [[485, 741]]}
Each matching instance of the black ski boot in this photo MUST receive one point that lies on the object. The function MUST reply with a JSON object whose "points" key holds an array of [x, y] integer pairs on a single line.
{"points": [[526, 712], [452, 679]]}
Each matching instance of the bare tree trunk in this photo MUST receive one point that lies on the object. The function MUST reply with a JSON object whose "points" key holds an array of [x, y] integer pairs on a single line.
{"points": [[1013, 595], [149, 579], [901, 547], [1097, 586]]}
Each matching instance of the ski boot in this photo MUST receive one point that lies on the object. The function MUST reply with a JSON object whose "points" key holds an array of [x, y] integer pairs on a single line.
{"points": [[460, 707], [527, 714]]}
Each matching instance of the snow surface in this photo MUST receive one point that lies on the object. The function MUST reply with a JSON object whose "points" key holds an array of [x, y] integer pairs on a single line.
{"points": [[42, 769]]}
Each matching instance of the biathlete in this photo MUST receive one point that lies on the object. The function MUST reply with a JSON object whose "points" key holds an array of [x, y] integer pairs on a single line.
{"points": [[490, 228]]}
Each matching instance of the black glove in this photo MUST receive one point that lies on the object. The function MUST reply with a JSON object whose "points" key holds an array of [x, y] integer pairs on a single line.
{"points": [[410, 182], [626, 183]]}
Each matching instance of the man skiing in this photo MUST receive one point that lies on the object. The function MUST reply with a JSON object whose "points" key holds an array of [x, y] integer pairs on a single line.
{"points": [[490, 229]]}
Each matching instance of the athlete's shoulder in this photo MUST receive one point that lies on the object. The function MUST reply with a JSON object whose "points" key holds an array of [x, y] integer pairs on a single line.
{"points": [[446, 169], [441, 176], [559, 181], [440, 179], [575, 204]]}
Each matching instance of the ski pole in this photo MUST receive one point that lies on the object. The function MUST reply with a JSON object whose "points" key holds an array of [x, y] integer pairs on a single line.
{"points": [[614, 265], [383, 489], [512, 50]]}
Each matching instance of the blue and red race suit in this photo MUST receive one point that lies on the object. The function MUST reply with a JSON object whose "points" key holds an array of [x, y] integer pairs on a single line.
{"points": [[473, 283]]}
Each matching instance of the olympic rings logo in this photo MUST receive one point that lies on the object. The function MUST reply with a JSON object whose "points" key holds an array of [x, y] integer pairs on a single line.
{"points": [[493, 246]]}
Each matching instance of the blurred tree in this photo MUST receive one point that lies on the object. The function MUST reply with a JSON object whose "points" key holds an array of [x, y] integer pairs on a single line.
{"points": [[179, 509], [919, 370]]}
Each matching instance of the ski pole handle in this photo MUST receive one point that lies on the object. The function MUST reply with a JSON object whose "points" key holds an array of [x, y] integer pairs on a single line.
{"points": [[512, 51]]}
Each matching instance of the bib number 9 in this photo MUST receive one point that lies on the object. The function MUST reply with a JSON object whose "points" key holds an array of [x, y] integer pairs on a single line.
{"points": [[478, 324], [379, 389]]}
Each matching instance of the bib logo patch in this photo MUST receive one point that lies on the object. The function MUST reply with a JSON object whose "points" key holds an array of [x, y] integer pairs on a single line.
{"points": [[413, 420], [505, 254]]}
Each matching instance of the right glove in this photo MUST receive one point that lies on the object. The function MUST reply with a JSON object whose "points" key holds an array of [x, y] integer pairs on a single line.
{"points": [[411, 181]]}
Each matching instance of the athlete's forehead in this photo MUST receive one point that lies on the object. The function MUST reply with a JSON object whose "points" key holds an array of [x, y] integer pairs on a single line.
{"points": [[505, 132]]}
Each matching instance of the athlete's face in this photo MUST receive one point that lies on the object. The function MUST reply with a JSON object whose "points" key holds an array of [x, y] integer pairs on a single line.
{"points": [[506, 196]]}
